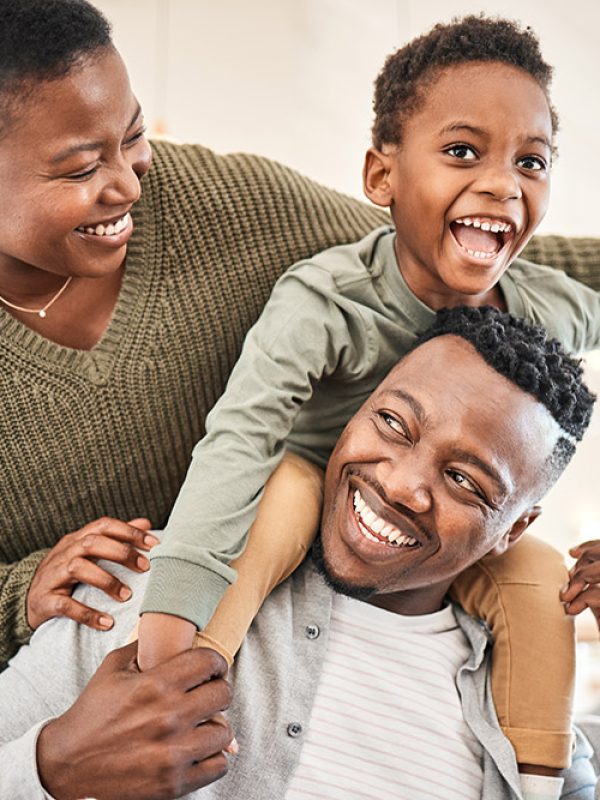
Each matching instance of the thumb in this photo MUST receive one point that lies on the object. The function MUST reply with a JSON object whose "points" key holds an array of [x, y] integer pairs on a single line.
{"points": [[142, 523], [121, 659]]}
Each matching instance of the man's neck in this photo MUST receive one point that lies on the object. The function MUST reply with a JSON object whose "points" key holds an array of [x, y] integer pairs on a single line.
{"points": [[412, 602]]}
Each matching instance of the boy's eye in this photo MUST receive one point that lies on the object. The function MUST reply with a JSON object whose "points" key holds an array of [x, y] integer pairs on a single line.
{"points": [[532, 163], [462, 151]]}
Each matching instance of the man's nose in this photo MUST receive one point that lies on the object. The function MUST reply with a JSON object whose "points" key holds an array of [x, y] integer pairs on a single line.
{"points": [[407, 486]]}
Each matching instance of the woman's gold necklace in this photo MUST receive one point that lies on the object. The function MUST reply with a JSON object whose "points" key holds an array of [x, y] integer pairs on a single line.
{"points": [[41, 312]]}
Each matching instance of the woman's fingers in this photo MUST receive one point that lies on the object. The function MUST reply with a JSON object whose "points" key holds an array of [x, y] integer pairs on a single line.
{"points": [[82, 570], [63, 605], [120, 531]]}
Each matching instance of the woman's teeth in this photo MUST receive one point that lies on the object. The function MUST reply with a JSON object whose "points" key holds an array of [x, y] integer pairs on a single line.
{"points": [[370, 524], [106, 230]]}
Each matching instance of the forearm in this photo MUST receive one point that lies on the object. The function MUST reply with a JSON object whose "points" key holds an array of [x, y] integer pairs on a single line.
{"points": [[15, 580]]}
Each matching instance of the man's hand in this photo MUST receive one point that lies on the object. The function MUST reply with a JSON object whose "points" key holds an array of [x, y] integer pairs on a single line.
{"points": [[162, 636], [141, 736], [583, 590], [72, 561]]}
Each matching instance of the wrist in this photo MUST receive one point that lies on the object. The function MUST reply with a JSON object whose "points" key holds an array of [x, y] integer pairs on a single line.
{"points": [[52, 760], [162, 636]]}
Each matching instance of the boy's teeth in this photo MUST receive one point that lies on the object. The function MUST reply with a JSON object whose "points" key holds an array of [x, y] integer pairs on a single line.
{"points": [[486, 224], [369, 521]]}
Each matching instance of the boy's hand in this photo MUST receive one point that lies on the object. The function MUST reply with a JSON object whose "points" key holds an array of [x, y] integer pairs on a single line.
{"points": [[583, 589], [162, 636]]}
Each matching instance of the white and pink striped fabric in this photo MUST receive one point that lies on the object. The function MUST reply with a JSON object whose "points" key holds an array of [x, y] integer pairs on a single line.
{"points": [[387, 721]]}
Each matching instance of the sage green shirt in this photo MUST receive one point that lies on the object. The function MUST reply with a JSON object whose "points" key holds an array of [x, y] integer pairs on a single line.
{"points": [[331, 330]]}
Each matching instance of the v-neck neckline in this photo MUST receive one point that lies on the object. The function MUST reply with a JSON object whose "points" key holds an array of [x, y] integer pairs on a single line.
{"points": [[96, 363]]}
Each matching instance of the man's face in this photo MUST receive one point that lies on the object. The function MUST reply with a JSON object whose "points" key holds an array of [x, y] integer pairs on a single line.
{"points": [[435, 470]]}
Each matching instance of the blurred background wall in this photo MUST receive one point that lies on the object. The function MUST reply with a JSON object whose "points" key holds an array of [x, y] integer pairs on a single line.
{"points": [[292, 80]]}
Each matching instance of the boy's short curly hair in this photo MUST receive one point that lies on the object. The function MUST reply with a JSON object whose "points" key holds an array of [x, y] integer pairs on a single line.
{"points": [[524, 354], [399, 85], [42, 40]]}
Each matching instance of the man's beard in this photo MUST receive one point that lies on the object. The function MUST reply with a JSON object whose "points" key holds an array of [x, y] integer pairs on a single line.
{"points": [[339, 586]]}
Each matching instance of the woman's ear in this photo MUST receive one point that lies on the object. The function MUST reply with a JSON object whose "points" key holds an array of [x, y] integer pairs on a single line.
{"points": [[376, 177], [513, 535]]}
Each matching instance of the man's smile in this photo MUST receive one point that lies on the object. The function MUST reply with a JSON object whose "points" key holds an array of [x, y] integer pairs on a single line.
{"points": [[377, 529]]}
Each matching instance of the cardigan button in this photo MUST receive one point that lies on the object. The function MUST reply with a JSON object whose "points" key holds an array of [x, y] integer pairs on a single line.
{"points": [[312, 631], [294, 729]]}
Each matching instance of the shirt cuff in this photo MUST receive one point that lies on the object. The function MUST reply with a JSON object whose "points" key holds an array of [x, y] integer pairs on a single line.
{"points": [[19, 777]]}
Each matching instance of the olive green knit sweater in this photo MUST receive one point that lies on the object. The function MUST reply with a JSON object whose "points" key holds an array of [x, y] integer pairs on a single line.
{"points": [[110, 431]]}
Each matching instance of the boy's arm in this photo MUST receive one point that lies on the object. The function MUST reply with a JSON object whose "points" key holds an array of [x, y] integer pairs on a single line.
{"points": [[305, 332]]}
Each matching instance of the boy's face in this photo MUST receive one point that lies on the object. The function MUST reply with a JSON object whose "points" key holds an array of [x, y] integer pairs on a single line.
{"points": [[469, 183]]}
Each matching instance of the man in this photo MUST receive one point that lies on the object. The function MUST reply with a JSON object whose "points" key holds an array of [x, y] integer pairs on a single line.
{"points": [[380, 695]]}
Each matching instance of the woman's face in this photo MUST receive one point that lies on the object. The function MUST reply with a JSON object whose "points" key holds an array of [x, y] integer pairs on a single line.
{"points": [[70, 166]]}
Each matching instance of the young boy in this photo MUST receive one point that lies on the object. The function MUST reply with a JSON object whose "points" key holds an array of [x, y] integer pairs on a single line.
{"points": [[462, 148]]}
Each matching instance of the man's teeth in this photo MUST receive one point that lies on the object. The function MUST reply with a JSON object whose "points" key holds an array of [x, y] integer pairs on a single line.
{"points": [[107, 230], [486, 224], [370, 524]]}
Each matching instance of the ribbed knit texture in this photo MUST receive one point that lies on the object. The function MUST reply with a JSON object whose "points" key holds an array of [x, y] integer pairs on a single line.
{"points": [[110, 431]]}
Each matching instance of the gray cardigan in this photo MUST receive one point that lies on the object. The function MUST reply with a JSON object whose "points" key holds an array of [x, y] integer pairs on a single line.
{"points": [[275, 679]]}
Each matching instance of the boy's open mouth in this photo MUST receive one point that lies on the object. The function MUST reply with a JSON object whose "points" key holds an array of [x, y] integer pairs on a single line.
{"points": [[482, 237]]}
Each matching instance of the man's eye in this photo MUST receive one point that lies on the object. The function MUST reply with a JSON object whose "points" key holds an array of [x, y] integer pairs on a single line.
{"points": [[462, 152], [532, 163], [464, 482], [395, 424]]}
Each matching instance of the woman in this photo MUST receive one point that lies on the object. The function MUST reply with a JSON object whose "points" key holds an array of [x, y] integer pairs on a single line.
{"points": [[121, 310]]}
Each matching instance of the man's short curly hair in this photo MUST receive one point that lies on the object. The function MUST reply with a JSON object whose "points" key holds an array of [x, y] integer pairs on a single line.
{"points": [[42, 40], [524, 353], [399, 87]]}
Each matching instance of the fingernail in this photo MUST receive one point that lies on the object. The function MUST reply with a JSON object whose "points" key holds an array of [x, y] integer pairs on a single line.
{"points": [[150, 540], [105, 622], [233, 747], [125, 593], [564, 588], [143, 563]]}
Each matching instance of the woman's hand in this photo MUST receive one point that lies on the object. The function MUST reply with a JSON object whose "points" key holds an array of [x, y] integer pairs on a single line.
{"points": [[73, 560], [583, 589]]}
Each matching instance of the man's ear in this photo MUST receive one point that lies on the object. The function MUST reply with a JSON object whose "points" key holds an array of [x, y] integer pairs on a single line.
{"points": [[513, 535], [376, 177]]}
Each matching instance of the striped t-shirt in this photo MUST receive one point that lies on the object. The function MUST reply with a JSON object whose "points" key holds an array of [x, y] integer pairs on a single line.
{"points": [[387, 720]]}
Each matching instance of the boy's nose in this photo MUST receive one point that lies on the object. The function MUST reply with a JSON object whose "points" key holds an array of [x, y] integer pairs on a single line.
{"points": [[500, 182]]}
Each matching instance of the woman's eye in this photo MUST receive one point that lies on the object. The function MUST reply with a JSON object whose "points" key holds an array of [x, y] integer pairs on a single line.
{"points": [[82, 176], [462, 152], [137, 136], [532, 163]]}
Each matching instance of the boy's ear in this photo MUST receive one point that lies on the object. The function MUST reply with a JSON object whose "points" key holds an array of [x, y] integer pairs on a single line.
{"points": [[513, 535], [376, 174]]}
